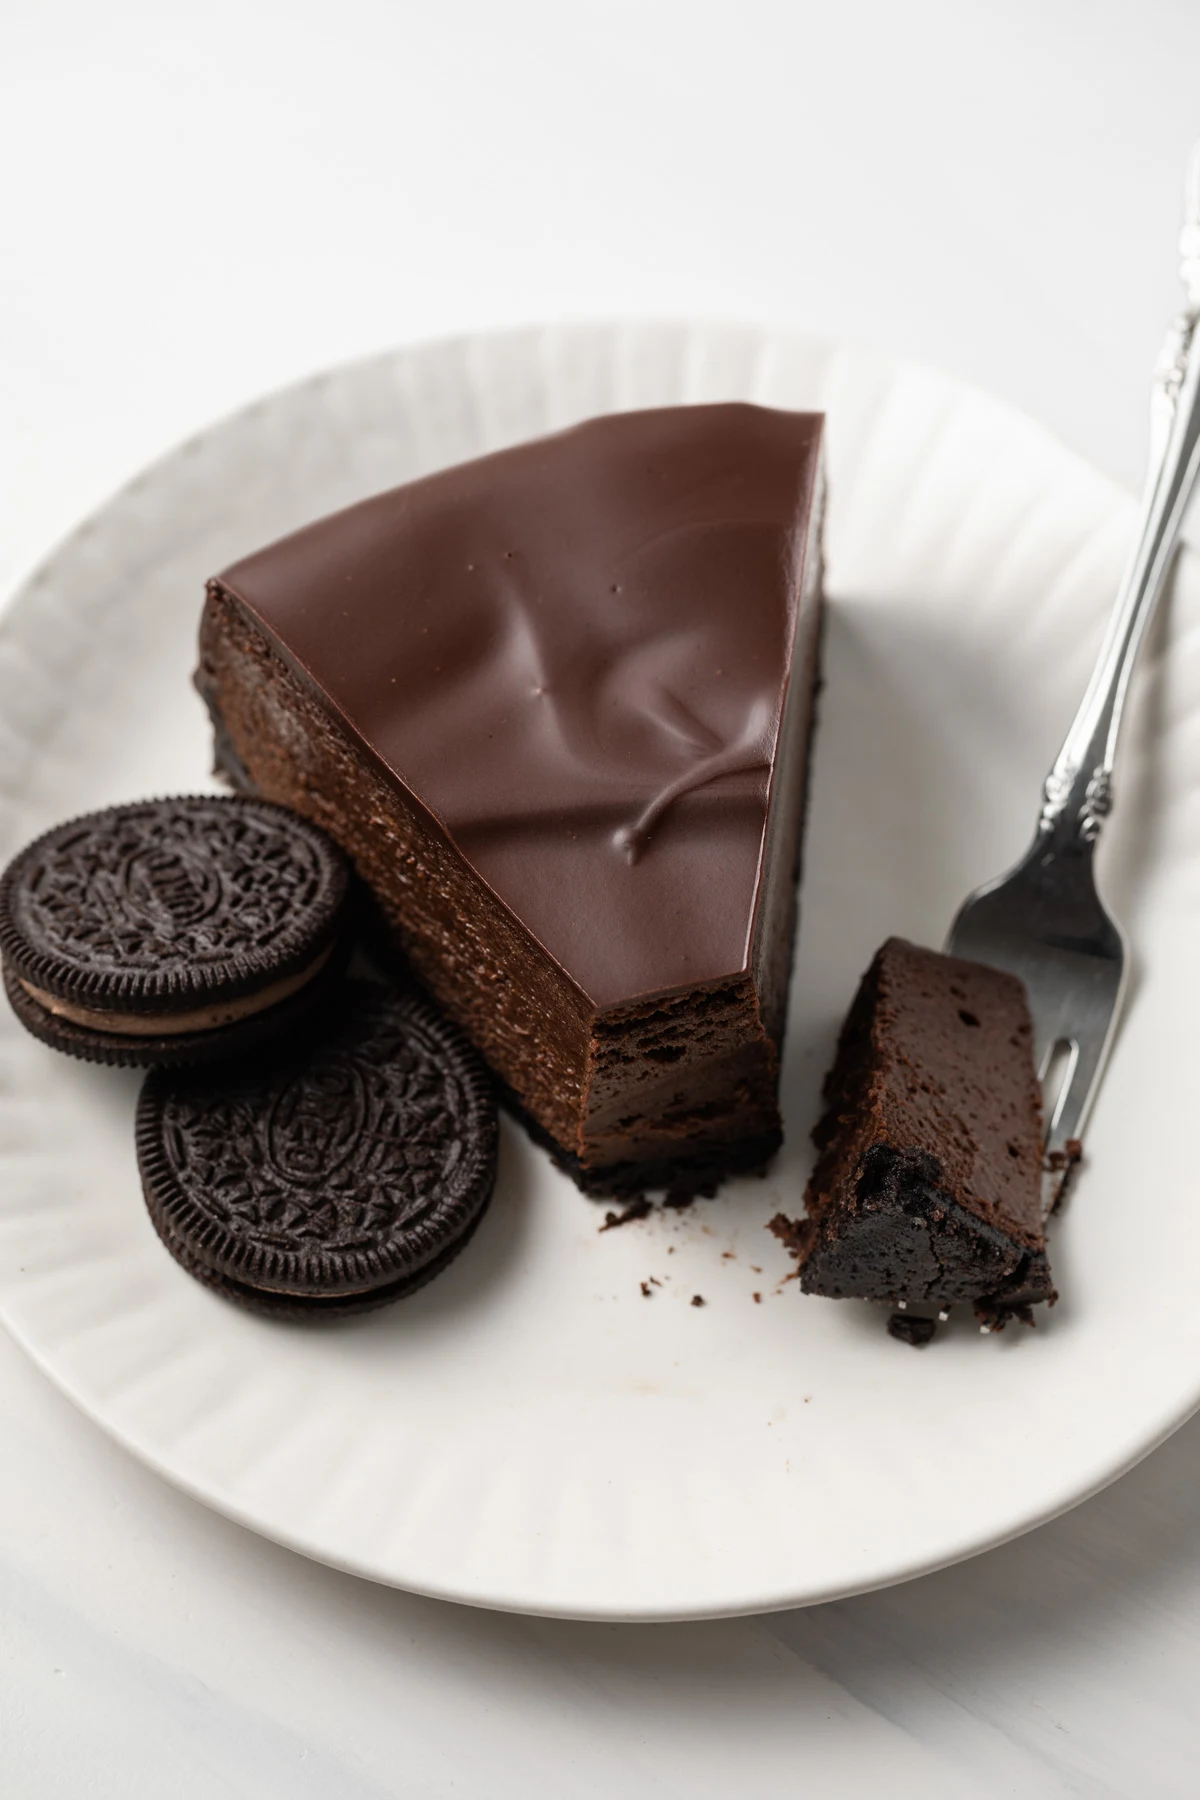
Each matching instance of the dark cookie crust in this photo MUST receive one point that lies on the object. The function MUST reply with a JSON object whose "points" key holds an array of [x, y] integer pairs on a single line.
{"points": [[343, 1171], [163, 905], [175, 1049]]}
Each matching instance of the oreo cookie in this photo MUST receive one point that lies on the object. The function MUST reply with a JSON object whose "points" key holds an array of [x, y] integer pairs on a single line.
{"points": [[172, 931], [341, 1176]]}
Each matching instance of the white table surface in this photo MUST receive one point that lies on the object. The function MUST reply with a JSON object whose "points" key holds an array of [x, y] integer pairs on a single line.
{"points": [[205, 200]]}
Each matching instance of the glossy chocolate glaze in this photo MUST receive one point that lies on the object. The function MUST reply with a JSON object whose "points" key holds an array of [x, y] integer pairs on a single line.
{"points": [[574, 655]]}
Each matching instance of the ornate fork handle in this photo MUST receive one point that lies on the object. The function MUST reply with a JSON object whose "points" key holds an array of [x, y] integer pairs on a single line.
{"points": [[1077, 796]]}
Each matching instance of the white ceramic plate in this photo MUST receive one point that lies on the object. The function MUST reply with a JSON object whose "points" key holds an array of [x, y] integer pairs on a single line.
{"points": [[530, 1432]]}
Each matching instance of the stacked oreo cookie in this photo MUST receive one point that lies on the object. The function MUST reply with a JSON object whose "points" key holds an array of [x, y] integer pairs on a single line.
{"points": [[310, 1145], [172, 931]]}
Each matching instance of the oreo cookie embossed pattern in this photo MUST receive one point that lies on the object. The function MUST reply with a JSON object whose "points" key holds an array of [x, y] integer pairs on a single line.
{"points": [[171, 930], [332, 1181]]}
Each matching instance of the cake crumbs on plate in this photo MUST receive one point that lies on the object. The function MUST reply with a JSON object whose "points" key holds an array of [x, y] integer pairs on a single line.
{"points": [[911, 1330], [637, 1209]]}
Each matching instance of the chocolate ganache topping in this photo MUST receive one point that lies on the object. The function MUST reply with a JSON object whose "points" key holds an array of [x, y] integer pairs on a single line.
{"points": [[575, 654]]}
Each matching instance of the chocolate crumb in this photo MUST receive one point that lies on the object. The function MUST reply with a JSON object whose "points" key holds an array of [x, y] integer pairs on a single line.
{"points": [[697, 1299], [637, 1209], [911, 1330], [793, 1234], [994, 1314], [646, 1291], [758, 1299], [1058, 1160]]}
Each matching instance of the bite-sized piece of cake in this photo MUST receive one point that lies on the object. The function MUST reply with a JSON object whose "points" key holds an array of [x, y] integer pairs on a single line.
{"points": [[928, 1183], [556, 704]]}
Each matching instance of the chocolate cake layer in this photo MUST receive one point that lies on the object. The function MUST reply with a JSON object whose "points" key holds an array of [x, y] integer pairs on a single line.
{"points": [[556, 705], [928, 1182]]}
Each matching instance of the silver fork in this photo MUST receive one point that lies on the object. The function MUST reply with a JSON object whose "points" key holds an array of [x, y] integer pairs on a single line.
{"points": [[1044, 921]]}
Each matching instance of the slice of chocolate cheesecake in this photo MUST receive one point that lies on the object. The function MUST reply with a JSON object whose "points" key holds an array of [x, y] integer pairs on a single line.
{"points": [[556, 705], [928, 1182]]}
